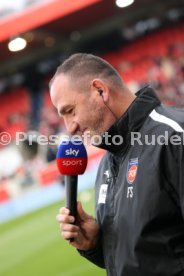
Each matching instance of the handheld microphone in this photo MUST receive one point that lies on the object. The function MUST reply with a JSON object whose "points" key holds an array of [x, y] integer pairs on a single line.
{"points": [[71, 162]]}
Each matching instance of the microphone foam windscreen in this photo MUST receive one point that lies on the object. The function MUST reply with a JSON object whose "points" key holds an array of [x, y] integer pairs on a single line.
{"points": [[71, 158]]}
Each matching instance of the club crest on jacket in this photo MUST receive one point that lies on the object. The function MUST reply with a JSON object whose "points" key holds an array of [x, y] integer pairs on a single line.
{"points": [[132, 169]]}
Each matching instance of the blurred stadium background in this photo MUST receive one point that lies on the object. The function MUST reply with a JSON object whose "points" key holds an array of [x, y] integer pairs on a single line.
{"points": [[144, 41]]}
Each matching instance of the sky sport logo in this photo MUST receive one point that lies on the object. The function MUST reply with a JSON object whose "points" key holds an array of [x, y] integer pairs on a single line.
{"points": [[71, 159]]}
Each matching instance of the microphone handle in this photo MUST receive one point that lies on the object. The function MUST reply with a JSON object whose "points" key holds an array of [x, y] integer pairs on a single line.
{"points": [[71, 193]]}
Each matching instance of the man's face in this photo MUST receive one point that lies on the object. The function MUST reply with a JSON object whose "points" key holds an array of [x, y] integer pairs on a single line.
{"points": [[83, 112]]}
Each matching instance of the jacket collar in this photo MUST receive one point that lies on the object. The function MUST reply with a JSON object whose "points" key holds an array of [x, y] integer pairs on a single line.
{"points": [[131, 121]]}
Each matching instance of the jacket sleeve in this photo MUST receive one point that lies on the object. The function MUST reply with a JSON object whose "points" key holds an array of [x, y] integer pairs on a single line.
{"points": [[94, 255], [174, 169]]}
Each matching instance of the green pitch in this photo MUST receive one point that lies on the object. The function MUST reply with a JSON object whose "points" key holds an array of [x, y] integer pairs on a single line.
{"points": [[32, 246]]}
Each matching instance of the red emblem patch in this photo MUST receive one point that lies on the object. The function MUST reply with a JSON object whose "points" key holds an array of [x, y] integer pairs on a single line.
{"points": [[132, 170]]}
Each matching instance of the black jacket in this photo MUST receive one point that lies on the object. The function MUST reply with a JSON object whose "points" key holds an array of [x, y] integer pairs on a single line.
{"points": [[140, 193]]}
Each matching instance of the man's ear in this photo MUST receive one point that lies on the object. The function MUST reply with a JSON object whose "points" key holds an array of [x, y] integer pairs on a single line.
{"points": [[101, 88]]}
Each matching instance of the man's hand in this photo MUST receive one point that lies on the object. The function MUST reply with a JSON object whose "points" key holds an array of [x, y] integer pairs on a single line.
{"points": [[84, 233]]}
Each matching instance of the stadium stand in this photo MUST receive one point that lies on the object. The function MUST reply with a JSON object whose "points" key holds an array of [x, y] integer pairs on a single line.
{"points": [[156, 58], [162, 62]]}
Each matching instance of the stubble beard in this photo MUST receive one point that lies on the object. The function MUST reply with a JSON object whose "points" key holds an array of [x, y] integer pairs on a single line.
{"points": [[97, 124]]}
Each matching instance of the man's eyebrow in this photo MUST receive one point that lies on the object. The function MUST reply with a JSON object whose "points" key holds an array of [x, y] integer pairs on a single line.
{"points": [[63, 109]]}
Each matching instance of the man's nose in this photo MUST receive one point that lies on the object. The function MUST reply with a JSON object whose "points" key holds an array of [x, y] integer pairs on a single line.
{"points": [[71, 126]]}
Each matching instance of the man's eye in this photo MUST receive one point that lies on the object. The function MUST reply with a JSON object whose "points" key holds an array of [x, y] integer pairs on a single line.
{"points": [[69, 111]]}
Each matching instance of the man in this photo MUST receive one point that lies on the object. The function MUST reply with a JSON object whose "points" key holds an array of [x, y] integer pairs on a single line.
{"points": [[139, 227]]}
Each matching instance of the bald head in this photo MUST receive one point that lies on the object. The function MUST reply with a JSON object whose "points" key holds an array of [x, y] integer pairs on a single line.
{"points": [[82, 67]]}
